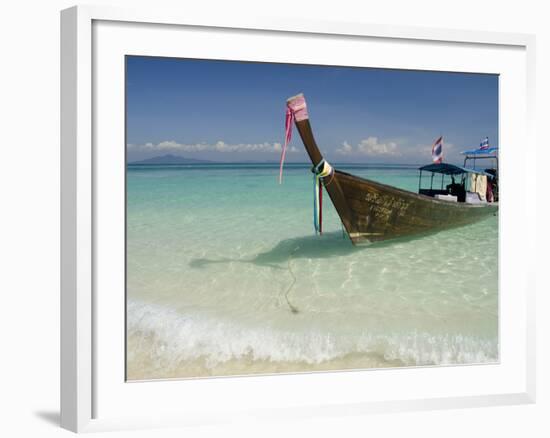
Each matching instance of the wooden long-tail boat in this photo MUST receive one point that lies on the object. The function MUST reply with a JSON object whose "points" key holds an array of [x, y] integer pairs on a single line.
{"points": [[371, 211]]}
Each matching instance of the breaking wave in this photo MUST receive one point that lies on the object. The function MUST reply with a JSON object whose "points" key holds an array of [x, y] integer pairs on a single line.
{"points": [[168, 339]]}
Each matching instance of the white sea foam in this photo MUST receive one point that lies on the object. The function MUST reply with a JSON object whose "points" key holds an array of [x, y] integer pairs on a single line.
{"points": [[173, 338]]}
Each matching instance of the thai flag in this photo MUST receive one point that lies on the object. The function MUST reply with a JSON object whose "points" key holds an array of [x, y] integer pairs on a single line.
{"points": [[484, 144], [437, 150]]}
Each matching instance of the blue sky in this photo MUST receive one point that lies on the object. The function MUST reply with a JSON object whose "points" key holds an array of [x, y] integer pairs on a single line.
{"points": [[234, 111]]}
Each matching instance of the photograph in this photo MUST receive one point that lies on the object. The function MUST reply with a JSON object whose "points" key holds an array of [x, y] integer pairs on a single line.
{"points": [[296, 218]]}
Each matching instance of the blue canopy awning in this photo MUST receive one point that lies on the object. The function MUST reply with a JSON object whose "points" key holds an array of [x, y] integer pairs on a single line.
{"points": [[450, 169], [489, 151]]}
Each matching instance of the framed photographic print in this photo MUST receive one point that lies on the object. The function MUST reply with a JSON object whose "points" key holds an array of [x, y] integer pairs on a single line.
{"points": [[281, 220]]}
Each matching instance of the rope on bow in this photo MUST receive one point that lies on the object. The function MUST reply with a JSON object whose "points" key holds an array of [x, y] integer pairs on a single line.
{"points": [[322, 170]]}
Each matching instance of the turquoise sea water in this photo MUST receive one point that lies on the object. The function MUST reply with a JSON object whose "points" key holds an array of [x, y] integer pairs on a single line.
{"points": [[218, 256]]}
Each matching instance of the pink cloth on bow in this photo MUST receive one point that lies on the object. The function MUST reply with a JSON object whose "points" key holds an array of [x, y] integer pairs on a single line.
{"points": [[297, 105], [296, 109]]}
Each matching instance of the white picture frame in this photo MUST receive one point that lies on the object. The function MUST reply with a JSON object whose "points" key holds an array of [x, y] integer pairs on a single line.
{"points": [[91, 38]]}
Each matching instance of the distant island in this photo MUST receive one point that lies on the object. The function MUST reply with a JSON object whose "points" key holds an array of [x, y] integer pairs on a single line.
{"points": [[171, 159]]}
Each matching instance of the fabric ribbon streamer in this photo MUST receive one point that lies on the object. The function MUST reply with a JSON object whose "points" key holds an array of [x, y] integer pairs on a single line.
{"points": [[289, 119], [322, 170], [296, 111]]}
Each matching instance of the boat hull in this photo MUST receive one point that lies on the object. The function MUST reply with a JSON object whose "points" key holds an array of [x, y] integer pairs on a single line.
{"points": [[379, 212]]}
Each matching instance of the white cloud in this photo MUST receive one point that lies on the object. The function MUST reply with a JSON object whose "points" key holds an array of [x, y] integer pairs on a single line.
{"points": [[220, 146], [370, 146], [345, 149]]}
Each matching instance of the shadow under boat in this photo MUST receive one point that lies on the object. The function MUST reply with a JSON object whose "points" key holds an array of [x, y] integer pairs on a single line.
{"points": [[330, 244]]}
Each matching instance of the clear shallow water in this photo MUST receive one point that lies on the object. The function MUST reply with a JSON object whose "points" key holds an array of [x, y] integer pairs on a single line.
{"points": [[218, 256]]}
